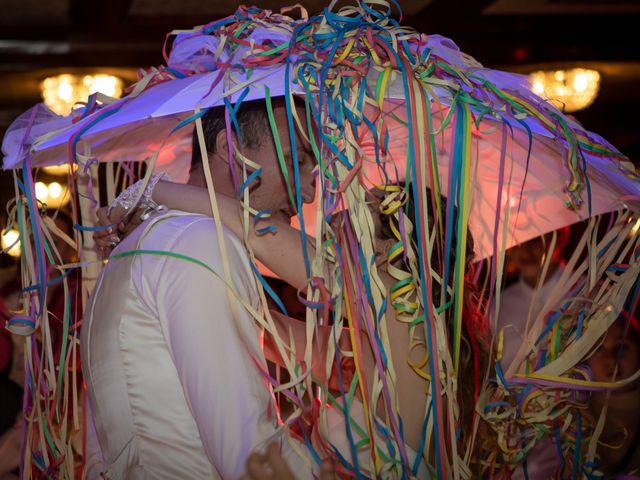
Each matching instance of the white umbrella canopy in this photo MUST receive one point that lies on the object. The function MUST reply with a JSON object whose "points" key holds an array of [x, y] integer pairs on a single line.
{"points": [[532, 186], [533, 183], [132, 128]]}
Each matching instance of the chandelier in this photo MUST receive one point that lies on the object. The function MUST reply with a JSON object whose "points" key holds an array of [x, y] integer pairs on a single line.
{"points": [[569, 90], [62, 92]]}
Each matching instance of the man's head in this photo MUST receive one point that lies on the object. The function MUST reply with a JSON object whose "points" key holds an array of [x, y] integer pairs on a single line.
{"points": [[617, 348], [255, 142], [529, 257]]}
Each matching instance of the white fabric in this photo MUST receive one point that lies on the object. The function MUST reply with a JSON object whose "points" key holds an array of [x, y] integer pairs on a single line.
{"points": [[171, 383]]}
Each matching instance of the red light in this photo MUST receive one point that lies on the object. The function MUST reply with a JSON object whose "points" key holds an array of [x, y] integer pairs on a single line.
{"points": [[521, 54]]}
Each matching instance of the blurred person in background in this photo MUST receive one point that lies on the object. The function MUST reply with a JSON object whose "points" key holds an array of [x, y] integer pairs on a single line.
{"points": [[12, 367], [518, 299], [617, 358], [520, 305]]}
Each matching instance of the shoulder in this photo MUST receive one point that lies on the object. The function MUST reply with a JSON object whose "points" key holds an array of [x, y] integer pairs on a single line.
{"points": [[179, 245], [169, 227], [190, 234]]}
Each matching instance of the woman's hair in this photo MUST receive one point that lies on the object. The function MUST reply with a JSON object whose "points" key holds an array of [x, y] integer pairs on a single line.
{"points": [[474, 346]]}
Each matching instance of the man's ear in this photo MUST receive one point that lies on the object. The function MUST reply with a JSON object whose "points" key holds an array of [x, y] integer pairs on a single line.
{"points": [[222, 145], [222, 148]]}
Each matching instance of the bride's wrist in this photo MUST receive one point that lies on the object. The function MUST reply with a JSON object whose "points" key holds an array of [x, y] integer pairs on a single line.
{"points": [[134, 199]]}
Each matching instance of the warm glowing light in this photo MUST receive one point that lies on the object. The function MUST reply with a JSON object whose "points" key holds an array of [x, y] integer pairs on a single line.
{"points": [[62, 92], [635, 228], [42, 191], [11, 241], [55, 190], [59, 169], [580, 82], [538, 87], [107, 84], [569, 90], [65, 90], [54, 195]]}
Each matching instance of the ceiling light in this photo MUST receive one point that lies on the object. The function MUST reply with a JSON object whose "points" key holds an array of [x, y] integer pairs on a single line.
{"points": [[54, 194], [569, 90], [62, 92], [11, 242], [59, 169]]}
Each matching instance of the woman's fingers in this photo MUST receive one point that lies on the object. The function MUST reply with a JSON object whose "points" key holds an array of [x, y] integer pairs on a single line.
{"points": [[257, 468], [103, 220], [103, 216], [116, 214], [132, 221], [326, 472], [106, 238], [268, 466], [276, 462]]}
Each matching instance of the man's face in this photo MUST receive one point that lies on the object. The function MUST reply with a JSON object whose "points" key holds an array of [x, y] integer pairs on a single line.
{"points": [[603, 361], [269, 192], [529, 256]]}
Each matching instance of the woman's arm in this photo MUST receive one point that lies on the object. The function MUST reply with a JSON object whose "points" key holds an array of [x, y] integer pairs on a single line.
{"points": [[280, 252]]}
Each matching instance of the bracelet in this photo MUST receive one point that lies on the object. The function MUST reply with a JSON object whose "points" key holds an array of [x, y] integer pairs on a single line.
{"points": [[151, 209], [131, 197]]}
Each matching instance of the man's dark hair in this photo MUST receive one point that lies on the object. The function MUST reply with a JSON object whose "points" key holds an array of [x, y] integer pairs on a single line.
{"points": [[253, 124]]}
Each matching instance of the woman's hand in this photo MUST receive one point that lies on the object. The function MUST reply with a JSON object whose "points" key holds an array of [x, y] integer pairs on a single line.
{"points": [[117, 226], [271, 466], [127, 211]]}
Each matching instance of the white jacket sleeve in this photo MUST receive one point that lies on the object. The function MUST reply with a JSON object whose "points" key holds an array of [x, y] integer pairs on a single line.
{"points": [[215, 356]]}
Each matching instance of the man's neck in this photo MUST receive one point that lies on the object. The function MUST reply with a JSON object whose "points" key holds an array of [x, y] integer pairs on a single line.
{"points": [[197, 179]]}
